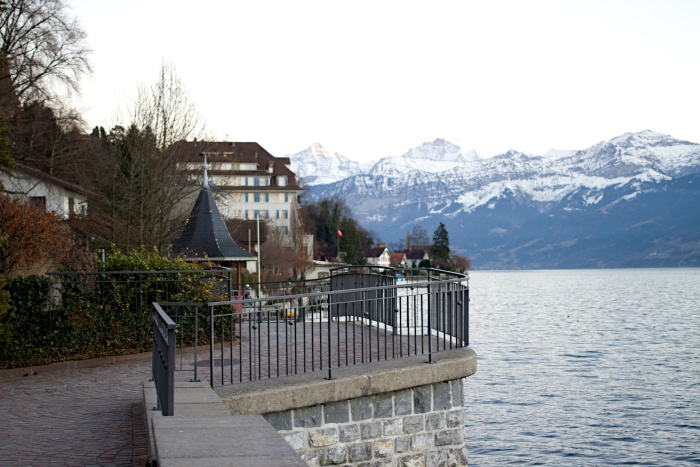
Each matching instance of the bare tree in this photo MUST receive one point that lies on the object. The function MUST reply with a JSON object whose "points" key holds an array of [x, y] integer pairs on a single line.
{"points": [[419, 237], [42, 48], [140, 189]]}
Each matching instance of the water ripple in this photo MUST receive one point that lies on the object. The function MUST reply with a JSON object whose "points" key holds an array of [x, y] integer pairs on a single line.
{"points": [[595, 367]]}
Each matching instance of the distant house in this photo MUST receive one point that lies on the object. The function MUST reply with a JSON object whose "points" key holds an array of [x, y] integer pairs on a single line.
{"points": [[324, 259], [398, 260], [49, 193], [414, 256], [377, 256]]}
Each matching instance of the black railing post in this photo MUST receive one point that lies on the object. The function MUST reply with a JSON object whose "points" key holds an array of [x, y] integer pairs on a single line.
{"points": [[211, 346], [330, 341], [430, 329]]}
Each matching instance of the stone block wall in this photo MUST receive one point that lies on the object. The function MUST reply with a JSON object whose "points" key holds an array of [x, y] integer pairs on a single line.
{"points": [[420, 426]]}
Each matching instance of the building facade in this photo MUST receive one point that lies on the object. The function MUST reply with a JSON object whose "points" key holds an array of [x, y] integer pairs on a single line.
{"points": [[251, 183], [48, 193]]}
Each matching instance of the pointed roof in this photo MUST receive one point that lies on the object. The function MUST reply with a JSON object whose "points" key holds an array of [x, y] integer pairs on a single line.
{"points": [[205, 236]]}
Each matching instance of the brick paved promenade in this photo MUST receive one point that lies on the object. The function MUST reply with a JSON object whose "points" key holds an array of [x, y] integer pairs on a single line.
{"points": [[94, 416], [89, 416]]}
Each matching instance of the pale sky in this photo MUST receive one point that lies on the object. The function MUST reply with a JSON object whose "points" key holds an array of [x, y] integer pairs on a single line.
{"points": [[371, 79]]}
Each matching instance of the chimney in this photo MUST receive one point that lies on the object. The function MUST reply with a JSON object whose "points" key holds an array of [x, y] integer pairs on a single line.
{"points": [[270, 166]]}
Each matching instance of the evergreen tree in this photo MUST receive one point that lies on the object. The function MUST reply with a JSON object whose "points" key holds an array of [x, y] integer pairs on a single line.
{"points": [[351, 242], [441, 248]]}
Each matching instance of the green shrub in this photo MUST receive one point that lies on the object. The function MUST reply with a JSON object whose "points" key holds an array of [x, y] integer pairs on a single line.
{"points": [[76, 316]]}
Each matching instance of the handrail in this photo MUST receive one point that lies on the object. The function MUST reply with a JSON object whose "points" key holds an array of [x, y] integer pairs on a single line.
{"points": [[346, 323], [163, 359]]}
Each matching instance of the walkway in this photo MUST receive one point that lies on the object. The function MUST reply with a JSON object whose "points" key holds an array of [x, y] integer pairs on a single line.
{"points": [[79, 417], [94, 416]]}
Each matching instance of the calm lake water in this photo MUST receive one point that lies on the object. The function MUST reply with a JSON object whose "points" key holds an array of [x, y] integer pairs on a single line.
{"points": [[585, 367]]}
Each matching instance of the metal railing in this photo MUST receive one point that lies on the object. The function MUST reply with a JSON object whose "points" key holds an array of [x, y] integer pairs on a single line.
{"points": [[163, 360], [358, 315]]}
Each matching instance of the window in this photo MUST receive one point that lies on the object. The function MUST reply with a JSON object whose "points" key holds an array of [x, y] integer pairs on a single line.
{"points": [[285, 214], [267, 197], [286, 197], [277, 215], [256, 181], [256, 197], [282, 180], [38, 201], [246, 197]]}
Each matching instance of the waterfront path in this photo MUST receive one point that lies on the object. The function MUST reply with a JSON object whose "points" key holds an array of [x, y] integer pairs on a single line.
{"points": [[94, 415], [71, 416]]}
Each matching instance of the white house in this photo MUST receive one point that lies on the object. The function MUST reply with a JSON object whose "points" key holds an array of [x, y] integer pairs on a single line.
{"points": [[44, 191], [377, 256]]}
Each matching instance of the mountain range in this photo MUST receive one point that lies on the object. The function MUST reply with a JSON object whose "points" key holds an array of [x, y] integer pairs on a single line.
{"points": [[632, 201]]}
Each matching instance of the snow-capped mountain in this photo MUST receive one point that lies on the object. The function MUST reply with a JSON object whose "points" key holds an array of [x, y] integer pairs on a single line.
{"points": [[318, 165], [517, 209], [438, 156]]}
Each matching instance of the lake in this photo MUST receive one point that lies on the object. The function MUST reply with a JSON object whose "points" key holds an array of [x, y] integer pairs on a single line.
{"points": [[584, 367]]}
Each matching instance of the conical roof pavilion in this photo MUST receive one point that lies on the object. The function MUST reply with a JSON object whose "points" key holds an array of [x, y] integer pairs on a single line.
{"points": [[205, 236]]}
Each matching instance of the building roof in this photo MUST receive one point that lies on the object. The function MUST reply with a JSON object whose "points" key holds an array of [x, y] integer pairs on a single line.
{"points": [[47, 178], [417, 253], [326, 253], [395, 259], [218, 152], [241, 228], [205, 236], [374, 252]]}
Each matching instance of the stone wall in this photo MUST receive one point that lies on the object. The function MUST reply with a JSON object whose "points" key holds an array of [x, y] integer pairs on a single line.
{"points": [[420, 426]]}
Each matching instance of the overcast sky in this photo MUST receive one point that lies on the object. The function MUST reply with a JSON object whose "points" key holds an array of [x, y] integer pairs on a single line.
{"points": [[371, 79]]}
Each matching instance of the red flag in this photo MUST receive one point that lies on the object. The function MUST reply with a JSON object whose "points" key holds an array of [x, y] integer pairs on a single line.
{"points": [[340, 234]]}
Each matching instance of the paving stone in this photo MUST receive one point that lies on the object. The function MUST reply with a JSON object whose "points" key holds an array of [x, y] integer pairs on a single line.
{"points": [[457, 393], [436, 459], [422, 441], [308, 417], [361, 408], [360, 452], [296, 439], [442, 399], [402, 444], [383, 406], [337, 412], [323, 437], [444, 438], [422, 398], [335, 455], [403, 402], [280, 420], [413, 423], [393, 427], [383, 449], [349, 433], [414, 460], [371, 430], [435, 421], [455, 418]]}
